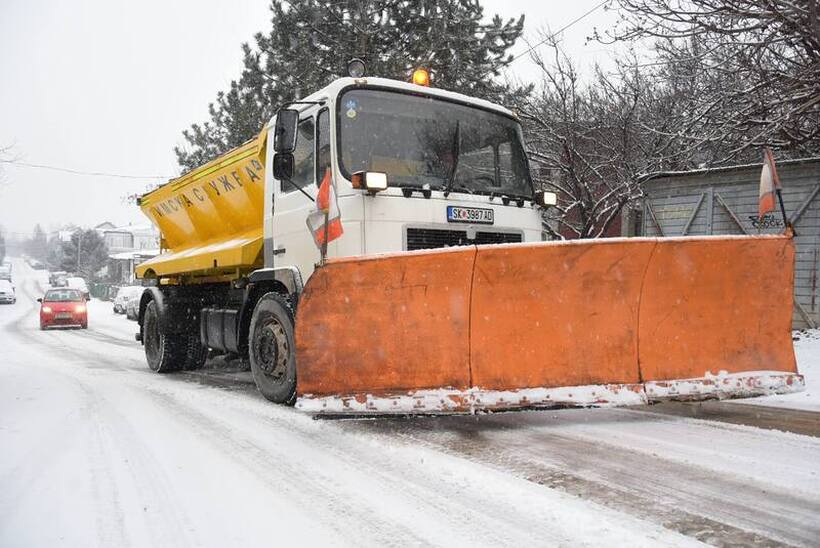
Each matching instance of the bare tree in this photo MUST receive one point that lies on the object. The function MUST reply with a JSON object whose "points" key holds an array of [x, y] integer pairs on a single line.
{"points": [[593, 141], [754, 66]]}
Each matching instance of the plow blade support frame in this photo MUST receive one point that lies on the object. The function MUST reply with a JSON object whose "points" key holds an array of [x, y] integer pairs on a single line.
{"points": [[581, 323]]}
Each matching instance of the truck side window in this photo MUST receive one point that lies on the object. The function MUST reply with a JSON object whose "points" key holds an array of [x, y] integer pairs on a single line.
{"points": [[323, 158], [303, 157]]}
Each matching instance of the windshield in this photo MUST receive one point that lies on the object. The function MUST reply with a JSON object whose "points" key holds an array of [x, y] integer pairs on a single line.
{"points": [[419, 141], [62, 296]]}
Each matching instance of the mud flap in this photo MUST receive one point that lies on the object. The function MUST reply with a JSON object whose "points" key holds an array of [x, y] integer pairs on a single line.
{"points": [[584, 323]]}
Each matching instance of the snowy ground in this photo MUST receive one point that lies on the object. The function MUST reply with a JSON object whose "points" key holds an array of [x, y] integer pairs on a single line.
{"points": [[98, 451], [807, 350]]}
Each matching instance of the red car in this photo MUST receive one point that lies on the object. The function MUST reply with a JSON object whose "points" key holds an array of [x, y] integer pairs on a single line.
{"points": [[63, 307]]}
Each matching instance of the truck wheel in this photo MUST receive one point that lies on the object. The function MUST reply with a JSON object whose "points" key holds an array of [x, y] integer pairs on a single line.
{"points": [[195, 354], [165, 352], [272, 350]]}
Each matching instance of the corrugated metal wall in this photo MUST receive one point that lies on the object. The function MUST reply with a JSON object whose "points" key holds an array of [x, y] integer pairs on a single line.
{"points": [[725, 202]]}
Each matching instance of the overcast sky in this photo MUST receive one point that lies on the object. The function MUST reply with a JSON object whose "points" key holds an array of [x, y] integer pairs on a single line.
{"points": [[107, 86]]}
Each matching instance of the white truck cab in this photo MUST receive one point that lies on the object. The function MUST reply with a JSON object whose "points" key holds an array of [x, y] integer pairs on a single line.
{"points": [[456, 171]]}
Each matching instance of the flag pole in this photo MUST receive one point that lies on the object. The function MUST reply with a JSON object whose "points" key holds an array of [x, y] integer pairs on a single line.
{"points": [[778, 190], [324, 241], [786, 223]]}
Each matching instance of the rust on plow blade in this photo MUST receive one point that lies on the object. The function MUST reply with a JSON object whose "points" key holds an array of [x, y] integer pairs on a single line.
{"points": [[582, 323]]}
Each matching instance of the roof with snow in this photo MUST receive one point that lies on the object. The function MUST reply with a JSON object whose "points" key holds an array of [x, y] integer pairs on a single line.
{"points": [[724, 169], [333, 89]]}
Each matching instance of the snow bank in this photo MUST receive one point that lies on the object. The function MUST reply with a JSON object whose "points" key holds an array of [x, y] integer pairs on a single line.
{"points": [[807, 350]]}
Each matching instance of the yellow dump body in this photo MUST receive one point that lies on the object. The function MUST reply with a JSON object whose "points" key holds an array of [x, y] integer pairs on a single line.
{"points": [[210, 219]]}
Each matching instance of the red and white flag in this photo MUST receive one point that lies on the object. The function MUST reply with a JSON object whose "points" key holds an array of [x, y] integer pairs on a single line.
{"points": [[769, 182], [325, 220]]}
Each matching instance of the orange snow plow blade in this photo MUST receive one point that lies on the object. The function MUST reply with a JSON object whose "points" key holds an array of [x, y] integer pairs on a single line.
{"points": [[583, 323]]}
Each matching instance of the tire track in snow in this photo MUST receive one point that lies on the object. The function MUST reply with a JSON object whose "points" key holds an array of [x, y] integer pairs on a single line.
{"points": [[783, 419], [279, 471], [689, 499], [107, 439], [476, 516]]}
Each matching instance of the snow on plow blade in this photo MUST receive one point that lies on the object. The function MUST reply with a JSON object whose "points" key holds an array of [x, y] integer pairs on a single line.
{"points": [[583, 323]]}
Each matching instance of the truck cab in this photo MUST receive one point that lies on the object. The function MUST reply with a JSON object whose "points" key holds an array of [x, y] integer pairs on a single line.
{"points": [[455, 167]]}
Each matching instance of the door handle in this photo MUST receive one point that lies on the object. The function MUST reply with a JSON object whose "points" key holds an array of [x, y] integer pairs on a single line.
{"points": [[279, 251]]}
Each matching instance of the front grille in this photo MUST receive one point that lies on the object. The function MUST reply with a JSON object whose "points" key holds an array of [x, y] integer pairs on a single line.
{"points": [[497, 238], [431, 238]]}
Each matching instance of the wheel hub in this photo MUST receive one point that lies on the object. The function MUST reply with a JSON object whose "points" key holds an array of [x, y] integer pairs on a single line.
{"points": [[273, 350]]}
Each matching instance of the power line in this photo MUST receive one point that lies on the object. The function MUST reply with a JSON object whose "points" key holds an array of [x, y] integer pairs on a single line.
{"points": [[554, 34], [78, 172]]}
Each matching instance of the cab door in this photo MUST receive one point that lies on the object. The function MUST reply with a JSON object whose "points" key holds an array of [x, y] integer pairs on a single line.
{"points": [[292, 242]]}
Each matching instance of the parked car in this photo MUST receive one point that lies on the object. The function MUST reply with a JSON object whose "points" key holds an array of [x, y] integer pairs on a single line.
{"points": [[123, 294], [62, 308], [7, 294], [74, 282], [5, 272], [132, 307]]}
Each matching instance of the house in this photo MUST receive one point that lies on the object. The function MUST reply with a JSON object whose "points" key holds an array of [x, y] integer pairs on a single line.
{"points": [[124, 238], [121, 265], [128, 245]]}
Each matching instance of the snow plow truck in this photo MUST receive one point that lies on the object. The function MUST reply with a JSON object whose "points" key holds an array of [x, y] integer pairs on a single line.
{"points": [[441, 292]]}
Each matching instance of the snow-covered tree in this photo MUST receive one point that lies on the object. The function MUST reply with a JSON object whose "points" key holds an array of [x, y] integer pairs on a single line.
{"points": [[36, 245], [753, 69], [54, 253], [593, 140], [309, 43], [85, 253]]}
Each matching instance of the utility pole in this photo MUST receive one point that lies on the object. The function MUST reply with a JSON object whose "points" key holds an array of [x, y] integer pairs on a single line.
{"points": [[79, 247]]}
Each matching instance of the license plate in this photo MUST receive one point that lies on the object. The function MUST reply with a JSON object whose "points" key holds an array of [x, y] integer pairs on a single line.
{"points": [[478, 215], [63, 315]]}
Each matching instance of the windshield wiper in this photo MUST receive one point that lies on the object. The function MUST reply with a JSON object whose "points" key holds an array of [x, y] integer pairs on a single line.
{"points": [[457, 188], [456, 152]]}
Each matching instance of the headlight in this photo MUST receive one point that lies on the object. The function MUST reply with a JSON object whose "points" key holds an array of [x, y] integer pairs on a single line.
{"points": [[545, 199], [372, 181], [46, 310]]}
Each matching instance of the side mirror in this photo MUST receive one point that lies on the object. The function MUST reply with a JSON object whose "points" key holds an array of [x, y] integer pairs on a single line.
{"points": [[284, 133], [545, 199], [283, 166], [39, 300]]}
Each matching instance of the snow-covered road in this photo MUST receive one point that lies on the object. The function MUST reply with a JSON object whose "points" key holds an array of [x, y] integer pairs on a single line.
{"points": [[95, 450]]}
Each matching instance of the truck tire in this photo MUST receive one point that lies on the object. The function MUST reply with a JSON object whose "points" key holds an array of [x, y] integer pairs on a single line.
{"points": [[195, 354], [272, 350], [164, 352]]}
